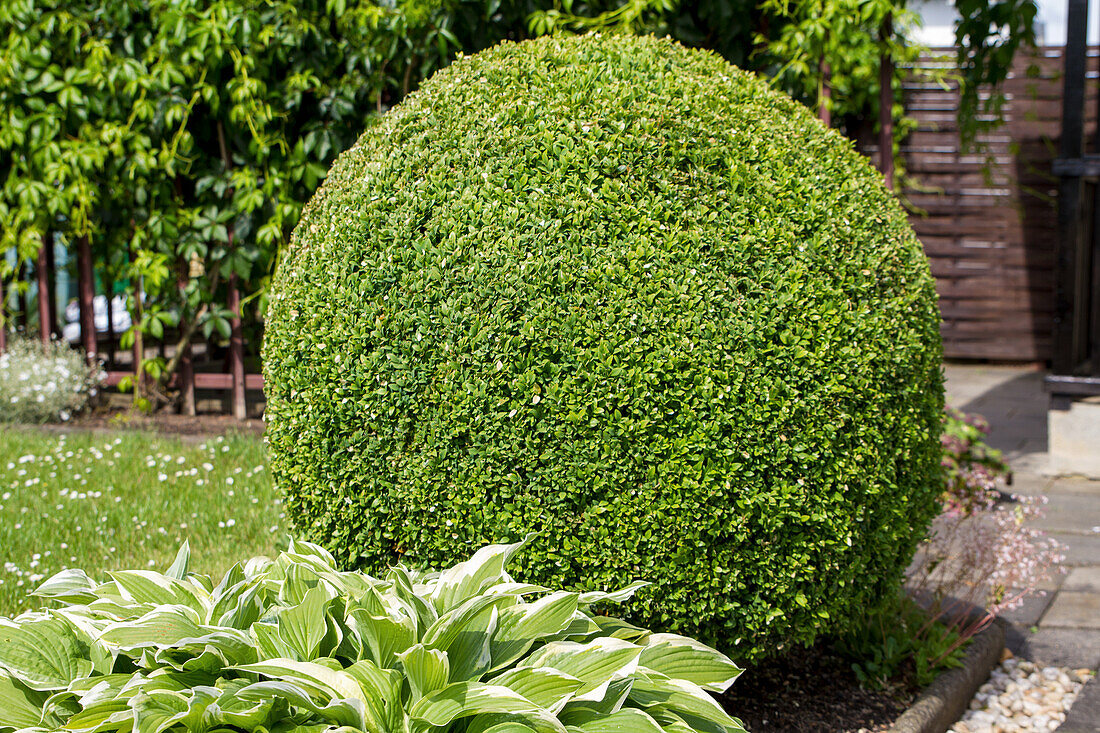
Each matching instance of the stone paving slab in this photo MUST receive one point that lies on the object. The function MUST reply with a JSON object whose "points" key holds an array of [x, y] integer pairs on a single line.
{"points": [[1084, 716], [1075, 485], [1073, 610], [1086, 579], [1082, 549], [1012, 399], [1030, 611], [1031, 484], [968, 383], [1076, 648], [1071, 512], [1066, 621]]}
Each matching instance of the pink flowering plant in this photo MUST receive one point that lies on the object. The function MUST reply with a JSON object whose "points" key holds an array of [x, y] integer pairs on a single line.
{"points": [[971, 467], [982, 557]]}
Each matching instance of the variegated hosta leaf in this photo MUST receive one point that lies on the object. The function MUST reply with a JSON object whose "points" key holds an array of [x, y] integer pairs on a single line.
{"points": [[318, 680], [619, 596], [683, 658], [629, 720], [147, 586], [382, 629], [541, 721], [466, 699], [619, 629], [307, 553], [362, 690], [510, 726], [102, 716], [71, 586], [295, 645], [43, 654], [303, 628], [685, 699], [547, 688], [178, 569], [464, 633], [339, 712], [20, 706], [427, 670], [521, 625], [231, 709], [160, 710], [581, 711], [596, 663], [164, 626], [404, 589], [468, 579]]}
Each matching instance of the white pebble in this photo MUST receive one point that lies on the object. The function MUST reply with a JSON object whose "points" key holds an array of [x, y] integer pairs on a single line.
{"points": [[1020, 696]]}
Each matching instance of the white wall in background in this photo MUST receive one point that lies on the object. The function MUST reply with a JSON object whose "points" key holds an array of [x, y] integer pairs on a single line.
{"points": [[939, 22]]}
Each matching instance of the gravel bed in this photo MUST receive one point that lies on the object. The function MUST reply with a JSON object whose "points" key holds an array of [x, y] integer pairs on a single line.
{"points": [[1021, 697]]}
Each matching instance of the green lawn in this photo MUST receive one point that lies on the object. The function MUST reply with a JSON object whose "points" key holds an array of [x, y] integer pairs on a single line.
{"points": [[128, 500]]}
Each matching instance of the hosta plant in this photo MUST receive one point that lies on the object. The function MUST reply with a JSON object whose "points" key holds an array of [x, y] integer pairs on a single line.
{"points": [[293, 644]]}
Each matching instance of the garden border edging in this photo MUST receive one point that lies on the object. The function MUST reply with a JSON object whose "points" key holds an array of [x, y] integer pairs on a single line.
{"points": [[945, 700]]}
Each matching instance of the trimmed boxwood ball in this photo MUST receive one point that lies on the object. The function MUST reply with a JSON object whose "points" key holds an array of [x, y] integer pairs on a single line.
{"points": [[619, 293]]}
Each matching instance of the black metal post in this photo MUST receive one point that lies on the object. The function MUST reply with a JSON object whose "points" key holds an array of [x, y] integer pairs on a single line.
{"points": [[1068, 341]]}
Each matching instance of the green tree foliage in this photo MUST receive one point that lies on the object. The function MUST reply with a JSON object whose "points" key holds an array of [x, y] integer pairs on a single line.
{"points": [[806, 45], [183, 136], [988, 38], [623, 294]]}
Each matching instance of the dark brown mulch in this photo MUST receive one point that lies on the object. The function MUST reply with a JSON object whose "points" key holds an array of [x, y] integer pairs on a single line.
{"points": [[811, 691], [167, 423]]}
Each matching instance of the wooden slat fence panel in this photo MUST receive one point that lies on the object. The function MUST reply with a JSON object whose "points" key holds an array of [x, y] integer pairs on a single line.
{"points": [[988, 220]]}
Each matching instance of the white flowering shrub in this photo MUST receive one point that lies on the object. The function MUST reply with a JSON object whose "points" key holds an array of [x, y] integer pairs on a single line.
{"points": [[44, 383]]}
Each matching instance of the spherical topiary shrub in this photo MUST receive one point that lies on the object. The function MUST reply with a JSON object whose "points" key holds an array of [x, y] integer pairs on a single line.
{"points": [[620, 293]]}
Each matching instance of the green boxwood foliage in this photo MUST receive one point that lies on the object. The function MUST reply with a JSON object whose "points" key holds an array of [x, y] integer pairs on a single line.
{"points": [[622, 294]]}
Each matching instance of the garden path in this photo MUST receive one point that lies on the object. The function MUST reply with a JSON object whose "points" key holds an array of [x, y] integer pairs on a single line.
{"points": [[1062, 627]]}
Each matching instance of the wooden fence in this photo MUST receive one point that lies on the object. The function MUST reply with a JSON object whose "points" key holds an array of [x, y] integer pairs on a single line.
{"points": [[989, 221], [201, 366]]}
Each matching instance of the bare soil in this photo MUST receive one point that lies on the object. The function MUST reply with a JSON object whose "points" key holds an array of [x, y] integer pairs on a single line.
{"points": [[812, 691], [198, 427]]}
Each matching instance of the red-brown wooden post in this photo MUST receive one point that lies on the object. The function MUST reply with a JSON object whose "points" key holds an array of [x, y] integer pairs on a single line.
{"points": [[21, 298], [236, 350], [86, 297], [111, 335], [236, 336], [3, 318], [187, 366], [187, 382], [138, 350], [886, 107], [51, 277], [45, 290]]}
